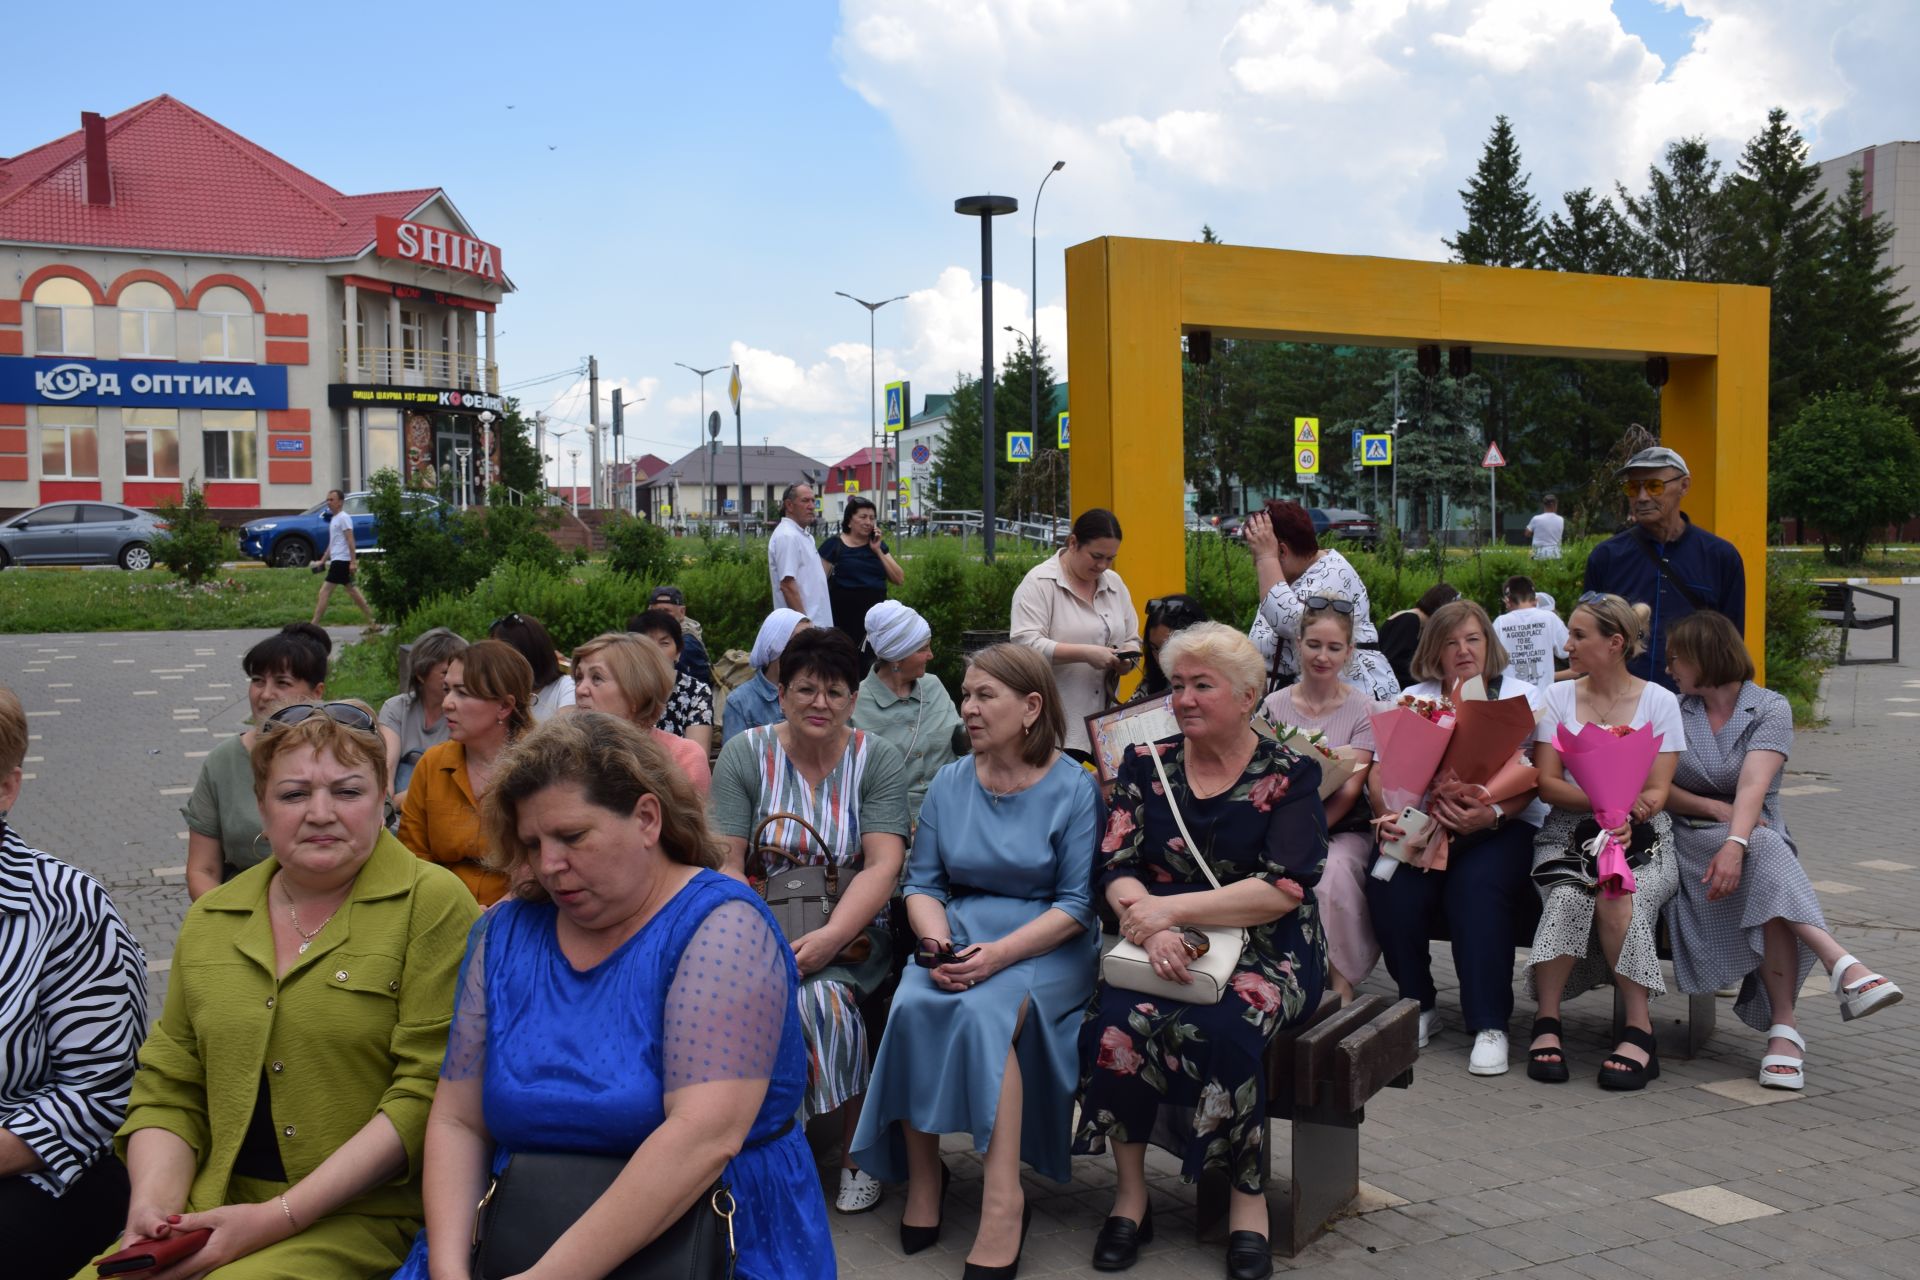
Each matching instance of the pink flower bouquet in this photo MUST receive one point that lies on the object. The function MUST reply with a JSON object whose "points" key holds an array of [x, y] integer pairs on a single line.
{"points": [[1611, 765]]}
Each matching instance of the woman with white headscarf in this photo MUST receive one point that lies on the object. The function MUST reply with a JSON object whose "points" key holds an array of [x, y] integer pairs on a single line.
{"points": [[902, 703], [757, 702]]}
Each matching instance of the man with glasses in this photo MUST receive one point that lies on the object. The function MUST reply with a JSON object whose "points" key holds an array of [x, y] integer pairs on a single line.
{"points": [[1664, 561], [793, 562]]}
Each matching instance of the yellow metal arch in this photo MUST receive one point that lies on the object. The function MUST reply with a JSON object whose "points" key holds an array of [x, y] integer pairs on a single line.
{"points": [[1128, 302]]}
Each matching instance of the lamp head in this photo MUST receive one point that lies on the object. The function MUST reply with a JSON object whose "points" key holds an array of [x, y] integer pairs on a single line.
{"points": [[985, 206]]}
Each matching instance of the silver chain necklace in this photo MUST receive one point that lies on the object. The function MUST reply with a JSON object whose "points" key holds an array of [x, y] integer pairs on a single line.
{"points": [[306, 939]]}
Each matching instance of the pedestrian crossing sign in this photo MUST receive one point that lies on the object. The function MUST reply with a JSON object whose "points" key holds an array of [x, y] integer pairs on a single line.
{"points": [[851, 485], [1019, 446], [905, 485], [1376, 451], [1066, 434], [896, 415], [1306, 431]]}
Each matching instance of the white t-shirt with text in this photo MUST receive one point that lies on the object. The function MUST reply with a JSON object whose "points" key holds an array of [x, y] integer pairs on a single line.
{"points": [[1533, 637]]}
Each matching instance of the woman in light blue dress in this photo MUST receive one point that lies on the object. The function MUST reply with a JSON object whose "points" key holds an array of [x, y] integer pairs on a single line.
{"points": [[981, 1039]]}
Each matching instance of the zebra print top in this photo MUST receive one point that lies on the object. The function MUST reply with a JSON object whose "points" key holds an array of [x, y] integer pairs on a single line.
{"points": [[73, 1010]]}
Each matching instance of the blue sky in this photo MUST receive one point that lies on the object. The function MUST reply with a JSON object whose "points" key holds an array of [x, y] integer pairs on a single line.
{"points": [[677, 182]]}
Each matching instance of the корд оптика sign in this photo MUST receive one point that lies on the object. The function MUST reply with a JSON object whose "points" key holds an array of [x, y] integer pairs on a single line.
{"points": [[141, 384], [348, 395]]}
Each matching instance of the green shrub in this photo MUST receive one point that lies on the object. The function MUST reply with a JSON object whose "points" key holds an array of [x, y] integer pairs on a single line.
{"points": [[641, 550], [1799, 646], [448, 550], [194, 545]]}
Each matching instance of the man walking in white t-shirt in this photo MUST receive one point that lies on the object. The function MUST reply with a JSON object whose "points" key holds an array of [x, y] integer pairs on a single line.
{"points": [[343, 560], [1546, 529], [793, 562], [1533, 636]]}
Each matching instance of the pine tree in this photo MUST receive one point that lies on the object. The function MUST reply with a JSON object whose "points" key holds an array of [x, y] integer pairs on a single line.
{"points": [[1672, 229], [1023, 488], [1592, 238], [1872, 329], [1503, 218], [956, 466]]}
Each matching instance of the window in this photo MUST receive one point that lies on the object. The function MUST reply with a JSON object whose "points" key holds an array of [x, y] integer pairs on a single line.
{"points": [[63, 318], [226, 325], [98, 513], [60, 513], [354, 327], [69, 444], [230, 447], [382, 443], [152, 439], [413, 338], [146, 321]]}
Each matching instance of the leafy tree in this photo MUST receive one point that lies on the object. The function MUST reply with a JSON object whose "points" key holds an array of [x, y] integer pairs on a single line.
{"points": [[1675, 225], [640, 549], [1871, 328], [1438, 451], [1592, 238], [1817, 472], [1503, 218], [194, 545], [447, 550], [519, 462]]}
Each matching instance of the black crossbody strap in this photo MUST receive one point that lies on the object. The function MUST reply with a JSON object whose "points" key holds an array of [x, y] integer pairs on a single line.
{"points": [[1666, 571]]}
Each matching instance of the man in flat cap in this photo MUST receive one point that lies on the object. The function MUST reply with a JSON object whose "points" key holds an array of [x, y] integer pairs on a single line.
{"points": [[1664, 561]]}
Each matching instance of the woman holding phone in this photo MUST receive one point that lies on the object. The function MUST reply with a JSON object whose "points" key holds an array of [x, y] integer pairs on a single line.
{"points": [[1074, 611]]}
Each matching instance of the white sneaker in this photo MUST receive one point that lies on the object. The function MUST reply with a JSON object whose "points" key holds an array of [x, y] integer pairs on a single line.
{"points": [[1489, 1054], [859, 1192], [1429, 1023]]}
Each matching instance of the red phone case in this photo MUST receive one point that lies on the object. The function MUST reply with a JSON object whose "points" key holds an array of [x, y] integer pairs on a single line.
{"points": [[151, 1255]]}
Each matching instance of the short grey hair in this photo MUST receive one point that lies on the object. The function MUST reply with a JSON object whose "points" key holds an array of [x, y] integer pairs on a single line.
{"points": [[1219, 647]]}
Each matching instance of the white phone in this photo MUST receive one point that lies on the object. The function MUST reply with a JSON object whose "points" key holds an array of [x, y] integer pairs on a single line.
{"points": [[1413, 822]]}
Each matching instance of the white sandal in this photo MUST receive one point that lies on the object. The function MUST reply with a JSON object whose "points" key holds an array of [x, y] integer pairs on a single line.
{"points": [[1857, 1002], [1794, 1079], [859, 1191]]}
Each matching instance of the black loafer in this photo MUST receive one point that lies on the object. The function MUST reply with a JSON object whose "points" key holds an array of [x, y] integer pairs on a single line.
{"points": [[1118, 1245], [914, 1239], [1248, 1256]]}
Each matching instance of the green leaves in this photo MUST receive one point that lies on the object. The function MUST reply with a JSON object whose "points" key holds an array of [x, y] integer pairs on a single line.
{"points": [[1850, 465]]}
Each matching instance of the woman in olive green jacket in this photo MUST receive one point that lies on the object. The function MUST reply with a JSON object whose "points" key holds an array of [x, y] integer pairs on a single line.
{"points": [[282, 1099]]}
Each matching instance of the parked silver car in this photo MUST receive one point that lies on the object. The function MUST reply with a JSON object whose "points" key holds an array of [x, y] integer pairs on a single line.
{"points": [[81, 533]]}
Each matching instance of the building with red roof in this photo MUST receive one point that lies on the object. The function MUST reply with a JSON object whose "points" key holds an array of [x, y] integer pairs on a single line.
{"points": [[186, 304]]}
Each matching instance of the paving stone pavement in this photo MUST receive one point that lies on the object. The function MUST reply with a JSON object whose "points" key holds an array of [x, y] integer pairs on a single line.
{"points": [[1703, 1174]]}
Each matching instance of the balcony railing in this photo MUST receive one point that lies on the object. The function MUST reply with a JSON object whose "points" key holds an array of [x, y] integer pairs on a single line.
{"points": [[407, 367]]}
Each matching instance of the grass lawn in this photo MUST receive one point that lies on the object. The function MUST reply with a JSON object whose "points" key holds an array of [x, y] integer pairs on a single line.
{"points": [[54, 600], [1876, 564]]}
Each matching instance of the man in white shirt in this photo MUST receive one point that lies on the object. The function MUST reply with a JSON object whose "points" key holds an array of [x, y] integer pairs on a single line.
{"points": [[793, 562], [343, 561], [1533, 636], [1546, 529]]}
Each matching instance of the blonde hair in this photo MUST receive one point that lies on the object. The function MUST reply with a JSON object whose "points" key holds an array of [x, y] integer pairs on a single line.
{"points": [[13, 731], [1329, 614], [1024, 672], [639, 669], [1220, 647], [615, 762], [1439, 629], [1615, 617], [322, 732]]}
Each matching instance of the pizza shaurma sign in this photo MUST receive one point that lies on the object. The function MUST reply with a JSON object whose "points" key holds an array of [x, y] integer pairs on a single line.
{"points": [[436, 247], [137, 384]]}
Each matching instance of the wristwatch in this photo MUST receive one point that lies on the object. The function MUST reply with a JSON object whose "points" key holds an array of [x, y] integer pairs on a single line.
{"points": [[1499, 817]]}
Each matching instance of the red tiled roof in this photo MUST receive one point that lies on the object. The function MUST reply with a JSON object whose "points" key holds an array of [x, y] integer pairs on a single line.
{"points": [[187, 184], [866, 455]]}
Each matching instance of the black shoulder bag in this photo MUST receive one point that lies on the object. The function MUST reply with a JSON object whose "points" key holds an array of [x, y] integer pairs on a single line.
{"points": [[1666, 571]]}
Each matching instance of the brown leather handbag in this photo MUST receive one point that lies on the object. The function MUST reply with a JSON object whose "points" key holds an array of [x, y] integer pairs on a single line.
{"points": [[801, 895]]}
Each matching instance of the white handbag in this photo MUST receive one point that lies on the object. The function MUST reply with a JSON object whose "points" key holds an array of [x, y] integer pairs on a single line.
{"points": [[1127, 965]]}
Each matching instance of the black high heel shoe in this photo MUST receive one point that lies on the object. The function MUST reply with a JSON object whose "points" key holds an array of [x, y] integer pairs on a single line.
{"points": [[974, 1271], [914, 1239], [1249, 1256], [1631, 1077], [1541, 1067], [1118, 1245]]}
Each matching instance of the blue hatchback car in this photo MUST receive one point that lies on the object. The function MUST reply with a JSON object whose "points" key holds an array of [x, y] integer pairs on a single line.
{"points": [[295, 540]]}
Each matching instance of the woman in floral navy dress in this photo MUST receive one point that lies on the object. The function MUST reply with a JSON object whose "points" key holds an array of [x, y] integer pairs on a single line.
{"points": [[1188, 1077]]}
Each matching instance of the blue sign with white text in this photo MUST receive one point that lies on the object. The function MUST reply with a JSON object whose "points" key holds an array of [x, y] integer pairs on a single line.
{"points": [[141, 384]]}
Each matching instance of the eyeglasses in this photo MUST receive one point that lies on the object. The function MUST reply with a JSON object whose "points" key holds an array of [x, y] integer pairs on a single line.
{"points": [[810, 693], [1654, 486], [1335, 603], [343, 713], [1591, 597], [503, 620], [932, 953]]}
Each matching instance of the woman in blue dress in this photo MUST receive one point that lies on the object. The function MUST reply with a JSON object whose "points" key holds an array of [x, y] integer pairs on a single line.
{"points": [[630, 1002], [981, 1037]]}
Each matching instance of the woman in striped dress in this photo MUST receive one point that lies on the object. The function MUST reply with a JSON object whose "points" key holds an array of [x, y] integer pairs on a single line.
{"points": [[851, 788]]}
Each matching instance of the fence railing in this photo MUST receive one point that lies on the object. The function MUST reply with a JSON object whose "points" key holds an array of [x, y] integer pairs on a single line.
{"points": [[412, 367]]}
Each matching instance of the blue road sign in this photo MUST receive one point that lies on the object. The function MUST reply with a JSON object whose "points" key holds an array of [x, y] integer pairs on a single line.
{"points": [[1019, 446], [1376, 451], [896, 415]]}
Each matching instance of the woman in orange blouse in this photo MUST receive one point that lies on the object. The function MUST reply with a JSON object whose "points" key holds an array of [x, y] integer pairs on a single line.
{"points": [[489, 703]]}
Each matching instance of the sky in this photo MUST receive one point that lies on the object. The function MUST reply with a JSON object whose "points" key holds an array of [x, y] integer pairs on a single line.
{"points": [[693, 183]]}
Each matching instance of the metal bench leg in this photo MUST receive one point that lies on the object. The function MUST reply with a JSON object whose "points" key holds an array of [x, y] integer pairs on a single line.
{"points": [[1701, 1014], [1701, 1011], [1326, 1178]]}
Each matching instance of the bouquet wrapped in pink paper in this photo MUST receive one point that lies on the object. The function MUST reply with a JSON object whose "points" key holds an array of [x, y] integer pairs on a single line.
{"points": [[1484, 753], [1409, 739], [1610, 764]]}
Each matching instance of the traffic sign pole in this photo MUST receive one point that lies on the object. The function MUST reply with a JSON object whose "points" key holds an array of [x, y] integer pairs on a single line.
{"points": [[1493, 461]]}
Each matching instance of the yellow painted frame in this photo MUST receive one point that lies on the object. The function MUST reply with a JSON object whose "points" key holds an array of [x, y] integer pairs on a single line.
{"points": [[1128, 302]]}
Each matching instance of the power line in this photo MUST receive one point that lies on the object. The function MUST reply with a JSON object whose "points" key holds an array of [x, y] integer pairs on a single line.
{"points": [[531, 382]]}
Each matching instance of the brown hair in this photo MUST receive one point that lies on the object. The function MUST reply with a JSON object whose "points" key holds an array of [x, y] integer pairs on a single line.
{"points": [[13, 731], [640, 671], [1615, 617], [323, 733], [615, 762], [1023, 671], [1447, 619], [1706, 639], [496, 671]]}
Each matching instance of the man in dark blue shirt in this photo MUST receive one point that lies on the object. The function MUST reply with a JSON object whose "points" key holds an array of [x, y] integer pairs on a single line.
{"points": [[1663, 561]]}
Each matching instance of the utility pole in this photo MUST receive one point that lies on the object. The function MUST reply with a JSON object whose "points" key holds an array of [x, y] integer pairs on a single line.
{"points": [[593, 436], [1393, 516], [540, 444], [700, 428], [619, 430]]}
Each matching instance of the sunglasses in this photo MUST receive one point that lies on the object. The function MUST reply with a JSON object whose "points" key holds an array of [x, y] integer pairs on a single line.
{"points": [[342, 713], [1195, 942], [502, 621], [1654, 487], [1591, 597], [932, 953], [1335, 603]]}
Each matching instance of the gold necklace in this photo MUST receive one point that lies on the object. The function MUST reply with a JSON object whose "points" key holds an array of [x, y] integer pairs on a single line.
{"points": [[306, 939]]}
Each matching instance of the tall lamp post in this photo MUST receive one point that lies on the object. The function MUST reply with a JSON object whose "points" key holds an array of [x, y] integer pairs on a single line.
{"points": [[574, 488], [1033, 339], [986, 208], [700, 432], [873, 380]]}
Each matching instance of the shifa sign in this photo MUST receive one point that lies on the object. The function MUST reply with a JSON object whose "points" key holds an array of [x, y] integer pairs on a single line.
{"points": [[436, 247]]}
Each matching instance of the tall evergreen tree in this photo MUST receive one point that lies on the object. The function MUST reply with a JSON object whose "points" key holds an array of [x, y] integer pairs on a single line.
{"points": [[1023, 488], [956, 466], [1675, 224], [1503, 218], [1592, 238], [1871, 326]]}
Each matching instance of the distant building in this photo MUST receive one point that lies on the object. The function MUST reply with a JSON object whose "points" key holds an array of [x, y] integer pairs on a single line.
{"points": [[1890, 176], [681, 493]]}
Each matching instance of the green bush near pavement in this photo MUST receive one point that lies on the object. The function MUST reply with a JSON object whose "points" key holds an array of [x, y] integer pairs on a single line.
{"points": [[194, 545], [448, 550]]}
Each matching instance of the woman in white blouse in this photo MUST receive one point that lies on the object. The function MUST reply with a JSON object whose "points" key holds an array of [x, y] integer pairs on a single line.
{"points": [[1073, 609], [1292, 566]]}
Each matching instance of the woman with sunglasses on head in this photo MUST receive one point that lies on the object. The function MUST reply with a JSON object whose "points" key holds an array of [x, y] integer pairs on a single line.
{"points": [[848, 789], [222, 816], [859, 567], [1292, 565], [1482, 895], [1074, 611], [552, 687], [901, 702], [282, 1099], [1585, 939], [1321, 702], [981, 1036], [489, 693], [1165, 616], [629, 677]]}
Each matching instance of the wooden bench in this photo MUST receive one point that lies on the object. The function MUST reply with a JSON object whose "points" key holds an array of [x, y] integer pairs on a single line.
{"points": [[1320, 1076], [1836, 608]]}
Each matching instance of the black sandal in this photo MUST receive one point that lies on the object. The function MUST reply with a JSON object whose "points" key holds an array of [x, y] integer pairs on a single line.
{"points": [[1540, 1067], [1633, 1076]]}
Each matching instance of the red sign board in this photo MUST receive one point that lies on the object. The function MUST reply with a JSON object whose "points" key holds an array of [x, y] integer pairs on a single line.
{"points": [[436, 247], [1494, 457]]}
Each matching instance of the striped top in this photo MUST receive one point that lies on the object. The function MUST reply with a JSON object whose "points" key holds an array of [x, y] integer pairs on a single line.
{"points": [[73, 1009], [865, 791]]}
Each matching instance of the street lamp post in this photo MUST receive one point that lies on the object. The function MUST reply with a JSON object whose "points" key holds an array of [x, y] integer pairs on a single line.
{"points": [[700, 432], [986, 208], [1033, 339], [486, 453], [873, 380], [573, 489]]}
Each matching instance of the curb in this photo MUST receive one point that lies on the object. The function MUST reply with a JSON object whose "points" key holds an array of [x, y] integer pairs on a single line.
{"points": [[1874, 582]]}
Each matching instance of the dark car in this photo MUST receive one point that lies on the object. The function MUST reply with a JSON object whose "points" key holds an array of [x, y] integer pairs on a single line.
{"points": [[81, 533], [1329, 523], [295, 540]]}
